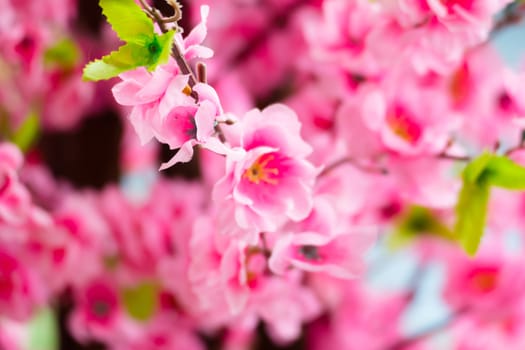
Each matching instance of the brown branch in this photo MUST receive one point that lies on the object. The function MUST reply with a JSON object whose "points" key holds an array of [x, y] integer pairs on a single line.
{"points": [[512, 14], [328, 169], [176, 52], [202, 75], [445, 155]]}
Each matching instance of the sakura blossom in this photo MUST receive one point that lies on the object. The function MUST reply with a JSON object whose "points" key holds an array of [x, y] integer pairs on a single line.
{"points": [[297, 174]]}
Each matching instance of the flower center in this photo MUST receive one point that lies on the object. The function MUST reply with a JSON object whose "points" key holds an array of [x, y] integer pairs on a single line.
{"points": [[100, 308], [255, 264], [403, 126], [262, 171], [484, 280], [459, 85], [310, 252]]}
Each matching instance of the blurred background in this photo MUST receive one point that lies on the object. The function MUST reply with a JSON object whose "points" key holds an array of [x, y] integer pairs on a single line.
{"points": [[83, 148]]}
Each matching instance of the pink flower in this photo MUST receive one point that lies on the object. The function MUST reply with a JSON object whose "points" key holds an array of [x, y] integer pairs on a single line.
{"points": [[21, 289], [360, 320], [500, 331], [153, 96], [185, 128], [66, 92], [425, 181], [204, 274], [432, 35], [472, 15], [487, 100], [340, 255], [165, 107], [234, 286], [490, 284], [81, 233], [284, 305], [15, 201], [159, 334], [98, 314], [411, 119], [13, 335], [271, 181], [341, 36], [191, 44], [322, 243], [223, 272]]}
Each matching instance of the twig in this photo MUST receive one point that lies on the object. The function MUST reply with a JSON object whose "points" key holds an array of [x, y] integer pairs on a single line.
{"points": [[267, 252], [512, 14], [519, 146], [202, 75], [445, 155], [176, 52], [353, 162]]}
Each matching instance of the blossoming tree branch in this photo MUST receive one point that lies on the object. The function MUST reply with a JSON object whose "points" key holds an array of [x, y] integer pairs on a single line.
{"points": [[321, 129]]}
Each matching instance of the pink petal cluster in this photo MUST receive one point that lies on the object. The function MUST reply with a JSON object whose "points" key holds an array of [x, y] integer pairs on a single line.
{"points": [[28, 32], [366, 113], [271, 180]]}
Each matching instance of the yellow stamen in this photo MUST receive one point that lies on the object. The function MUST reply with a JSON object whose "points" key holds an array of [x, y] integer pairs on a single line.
{"points": [[260, 172], [403, 127], [187, 90]]}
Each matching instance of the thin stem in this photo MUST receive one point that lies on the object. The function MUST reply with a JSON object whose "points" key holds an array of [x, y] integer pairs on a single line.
{"points": [[177, 8], [176, 52], [328, 169], [145, 6], [183, 65], [514, 149], [171, 19], [513, 14], [202, 75], [518, 147], [445, 155], [264, 243]]}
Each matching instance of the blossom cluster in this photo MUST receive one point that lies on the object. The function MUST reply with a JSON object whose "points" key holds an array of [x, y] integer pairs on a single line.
{"points": [[366, 110]]}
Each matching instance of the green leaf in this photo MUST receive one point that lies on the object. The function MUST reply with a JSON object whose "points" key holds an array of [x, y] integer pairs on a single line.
{"points": [[131, 56], [503, 172], [64, 54], [128, 20], [474, 170], [471, 211], [143, 47], [43, 331], [127, 57], [417, 221], [471, 208], [141, 301], [163, 50], [27, 132], [478, 176]]}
